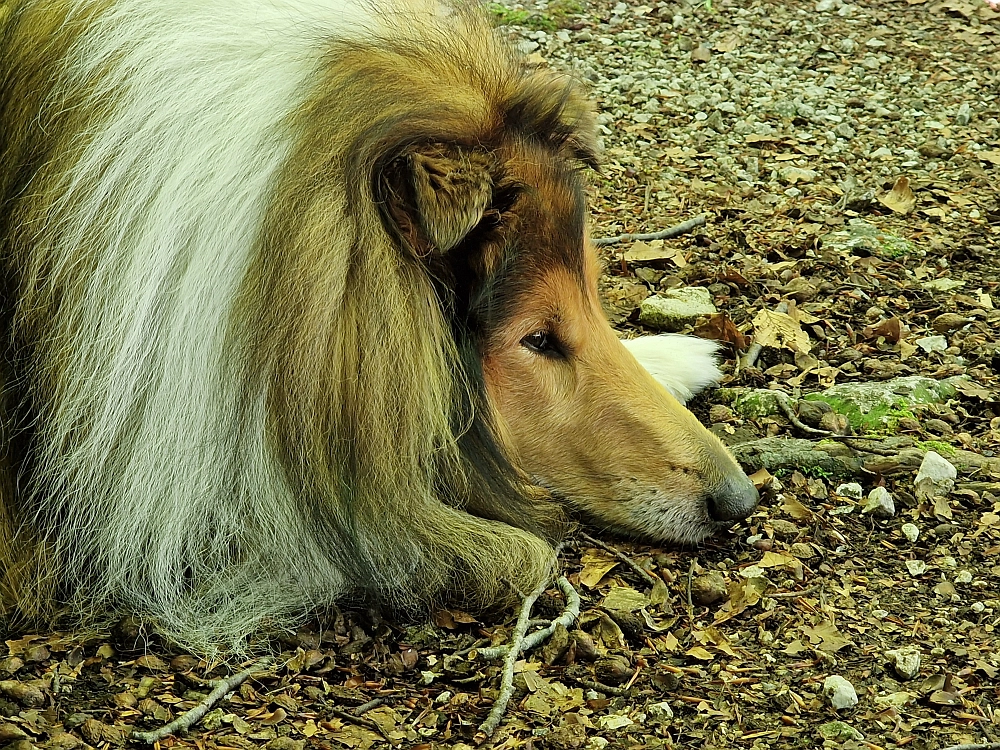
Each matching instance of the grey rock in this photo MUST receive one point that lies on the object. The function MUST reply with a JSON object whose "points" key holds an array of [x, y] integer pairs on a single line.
{"points": [[936, 476], [793, 175], [850, 489], [860, 235], [905, 661], [840, 692], [880, 503], [677, 308], [964, 114], [910, 531], [932, 343]]}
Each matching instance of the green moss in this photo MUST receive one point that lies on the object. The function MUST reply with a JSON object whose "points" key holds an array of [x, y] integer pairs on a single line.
{"points": [[938, 446], [881, 418], [559, 15], [562, 12], [504, 16]]}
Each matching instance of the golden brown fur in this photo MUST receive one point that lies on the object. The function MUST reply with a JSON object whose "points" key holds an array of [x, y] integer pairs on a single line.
{"points": [[271, 319]]}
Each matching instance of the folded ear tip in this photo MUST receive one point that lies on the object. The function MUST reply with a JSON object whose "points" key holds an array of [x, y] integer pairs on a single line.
{"points": [[451, 190]]}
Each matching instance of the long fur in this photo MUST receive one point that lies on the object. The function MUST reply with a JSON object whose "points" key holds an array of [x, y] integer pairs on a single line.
{"points": [[216, 415], [268, 276]]}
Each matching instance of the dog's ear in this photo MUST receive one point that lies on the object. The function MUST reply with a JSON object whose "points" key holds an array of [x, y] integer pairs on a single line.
{"points": [[437, 195]]}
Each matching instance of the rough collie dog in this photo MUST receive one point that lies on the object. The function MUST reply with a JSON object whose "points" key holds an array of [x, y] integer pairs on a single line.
{"points": [[298, 305]]}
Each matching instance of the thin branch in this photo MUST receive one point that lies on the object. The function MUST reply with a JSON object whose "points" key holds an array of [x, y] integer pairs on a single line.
{"points": [[192, 717], [664, 234], [645, 575], [567, 618], [366, 707], [489, 726], [785, 404], [601, 687]]}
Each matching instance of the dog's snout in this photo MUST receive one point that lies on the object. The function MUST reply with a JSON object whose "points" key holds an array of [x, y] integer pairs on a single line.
{"points": [[733, 501]]}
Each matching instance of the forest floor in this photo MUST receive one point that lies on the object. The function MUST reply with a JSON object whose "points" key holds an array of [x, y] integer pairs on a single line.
{"points": [[847, 156]]}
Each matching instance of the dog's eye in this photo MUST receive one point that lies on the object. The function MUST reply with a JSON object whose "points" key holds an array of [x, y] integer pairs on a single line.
{"points": [[542, 342]]}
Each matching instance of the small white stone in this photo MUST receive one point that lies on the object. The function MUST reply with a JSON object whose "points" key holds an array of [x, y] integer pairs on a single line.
{"points": [[932, 343], [443, 697], [916, 567], [850, 489], [596, 743], [880, 503], [905, 661], [910, 531], [963, 576], [936, 468], [615, 721], [977, 607], [840, 692]]}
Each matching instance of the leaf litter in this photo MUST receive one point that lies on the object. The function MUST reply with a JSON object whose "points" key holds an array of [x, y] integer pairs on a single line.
{"points": [[888, 219]]}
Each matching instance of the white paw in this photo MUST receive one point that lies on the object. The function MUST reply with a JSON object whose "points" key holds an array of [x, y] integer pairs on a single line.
{"points": [[684, 365]]}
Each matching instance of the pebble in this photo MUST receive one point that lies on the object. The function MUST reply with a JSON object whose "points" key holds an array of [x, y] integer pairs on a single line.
{"points": [[964, 114], [905, 661], [840, 692], [910, 531], [709, 588], [793, 175], [880, 503], [936, 476], [916, 567], [851, 490]]}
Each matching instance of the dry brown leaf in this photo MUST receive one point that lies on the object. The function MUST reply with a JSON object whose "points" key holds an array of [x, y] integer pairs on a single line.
{"points": [[901, 199], [780, 331]]}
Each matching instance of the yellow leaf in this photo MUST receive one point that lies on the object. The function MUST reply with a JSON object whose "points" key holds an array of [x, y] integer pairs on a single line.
{"points": [[596, 565], [699, 653], [779, 331]]}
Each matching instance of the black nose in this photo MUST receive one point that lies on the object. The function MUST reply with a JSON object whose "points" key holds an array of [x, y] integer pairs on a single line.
{"points": [[733, 501]]}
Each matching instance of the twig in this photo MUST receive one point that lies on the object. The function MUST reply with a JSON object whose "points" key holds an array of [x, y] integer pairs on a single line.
{"points": [[192, 717], [567, 618], [785, 404], [621, 556], [750, 358], [982, 746], [690, 600], [366, 707], [753, 353], [489, 726], [664, 234], [594, 685], [792, 594]]}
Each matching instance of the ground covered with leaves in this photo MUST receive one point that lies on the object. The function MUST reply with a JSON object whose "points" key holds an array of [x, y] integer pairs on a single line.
{"points": [[847, 159]]}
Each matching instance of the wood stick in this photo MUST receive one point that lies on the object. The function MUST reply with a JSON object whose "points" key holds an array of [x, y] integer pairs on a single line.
{"points": [[192, 717], [489, 726], [664, 234]]}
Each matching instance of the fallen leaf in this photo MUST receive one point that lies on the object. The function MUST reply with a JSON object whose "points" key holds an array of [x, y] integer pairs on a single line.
{"points": [[780, 331], [826, 637], [901, 198], [596, 565], [719, 327]]}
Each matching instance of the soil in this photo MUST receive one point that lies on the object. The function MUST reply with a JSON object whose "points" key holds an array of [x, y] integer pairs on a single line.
{"points": [[783, 122]]}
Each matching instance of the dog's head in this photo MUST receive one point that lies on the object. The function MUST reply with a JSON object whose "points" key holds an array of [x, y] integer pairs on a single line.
{"points": [[500, 221]]}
